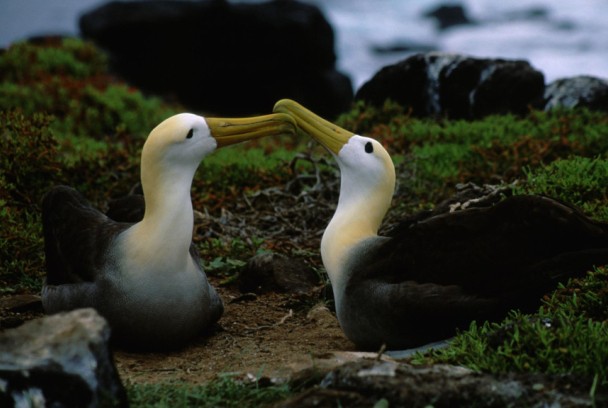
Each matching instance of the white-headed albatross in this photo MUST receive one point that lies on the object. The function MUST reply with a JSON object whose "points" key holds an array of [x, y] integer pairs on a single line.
{"points": [[434, 275], [144, 278]]}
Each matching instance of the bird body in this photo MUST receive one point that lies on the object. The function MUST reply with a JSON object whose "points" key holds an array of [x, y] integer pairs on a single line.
{"points": [[144, 277], [437, 273]]}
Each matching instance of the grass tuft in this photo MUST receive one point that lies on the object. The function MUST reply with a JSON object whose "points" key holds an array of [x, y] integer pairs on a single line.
{"points": [[223, 392]]}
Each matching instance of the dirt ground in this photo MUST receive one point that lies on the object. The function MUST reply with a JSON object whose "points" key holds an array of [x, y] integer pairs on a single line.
{"points": [[267, 335], [264, 335]]}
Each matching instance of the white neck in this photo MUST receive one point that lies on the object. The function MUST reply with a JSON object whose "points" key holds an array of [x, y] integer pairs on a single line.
{"points": [[162, 239], [359, 214]]}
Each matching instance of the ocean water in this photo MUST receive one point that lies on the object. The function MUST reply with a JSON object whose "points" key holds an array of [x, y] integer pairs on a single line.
{"points": [[559, 37]]}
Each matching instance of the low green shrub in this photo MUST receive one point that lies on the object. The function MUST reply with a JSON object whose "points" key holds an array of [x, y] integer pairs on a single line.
{"points": [[581, 181], [26, 62]]}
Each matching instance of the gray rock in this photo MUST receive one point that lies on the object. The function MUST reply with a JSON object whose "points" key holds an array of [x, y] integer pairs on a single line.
{"points": [[62, 360], [372, 382], [579, 91], [456, 86]]}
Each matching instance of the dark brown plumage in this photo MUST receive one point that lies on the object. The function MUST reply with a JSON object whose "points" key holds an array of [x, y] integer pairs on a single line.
{"points": [[437, 274]]}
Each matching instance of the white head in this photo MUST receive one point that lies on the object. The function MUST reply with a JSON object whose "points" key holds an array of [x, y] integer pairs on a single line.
{"points": [[175, 147], [367, 175], [367, 171]]}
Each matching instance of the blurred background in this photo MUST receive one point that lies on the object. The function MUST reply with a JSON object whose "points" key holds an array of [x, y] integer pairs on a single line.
{"points": [[558, 37]]}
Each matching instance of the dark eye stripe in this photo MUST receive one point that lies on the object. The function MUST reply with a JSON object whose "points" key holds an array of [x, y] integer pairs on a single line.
{"points": [[369, 147], [190, 134]]}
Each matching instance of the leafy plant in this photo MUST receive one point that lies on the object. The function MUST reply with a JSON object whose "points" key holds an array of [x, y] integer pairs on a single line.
{"points": [[581, 181]]}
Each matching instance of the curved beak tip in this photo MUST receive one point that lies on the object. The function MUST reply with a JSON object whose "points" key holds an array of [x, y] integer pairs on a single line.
{"points": [[328, 134]]}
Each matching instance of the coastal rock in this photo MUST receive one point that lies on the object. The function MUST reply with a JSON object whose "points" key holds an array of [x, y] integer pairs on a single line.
{"points": [[456, 86], [449, 15], [269, 271], [62, 360], [389, 383], [223, 58], [579, 91]]}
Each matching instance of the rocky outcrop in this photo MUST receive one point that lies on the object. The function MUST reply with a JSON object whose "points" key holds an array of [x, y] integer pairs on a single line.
{"points": [[462, 87], [62, 360], [387, 383], [224, 58], [578, 91], [456, 86]]}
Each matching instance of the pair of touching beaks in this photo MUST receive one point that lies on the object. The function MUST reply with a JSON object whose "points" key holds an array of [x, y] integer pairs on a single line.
{"points": [[289, 117]]}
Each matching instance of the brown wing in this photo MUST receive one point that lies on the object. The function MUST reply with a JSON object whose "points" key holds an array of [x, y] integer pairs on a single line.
{"points": [[517, 242], [442, 272], [76, 236]]}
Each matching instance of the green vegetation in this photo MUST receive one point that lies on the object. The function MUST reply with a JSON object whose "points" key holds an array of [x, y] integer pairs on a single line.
{"points": [[63, 119], [581, 181], [27, 163], [223, 392], [569, 334]]}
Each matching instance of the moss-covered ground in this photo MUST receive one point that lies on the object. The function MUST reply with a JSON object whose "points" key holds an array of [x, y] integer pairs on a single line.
{"points": [[65, 120]]}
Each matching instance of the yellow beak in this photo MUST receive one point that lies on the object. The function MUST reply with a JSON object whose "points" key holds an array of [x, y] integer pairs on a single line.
{"points": [[231, 131], [329, 135]]}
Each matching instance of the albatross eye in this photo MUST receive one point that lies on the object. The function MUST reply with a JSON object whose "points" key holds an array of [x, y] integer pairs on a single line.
{"points": [[369, 147], [190, 134]]}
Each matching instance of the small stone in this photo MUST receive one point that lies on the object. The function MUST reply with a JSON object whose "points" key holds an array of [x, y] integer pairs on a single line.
{"points": [[269, 271], [322, 316], [538, 387]]}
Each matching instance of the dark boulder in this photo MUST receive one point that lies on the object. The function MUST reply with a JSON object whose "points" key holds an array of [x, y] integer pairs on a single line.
{"points": [[456, 86], [223, 58], [62, 360], [579, 91], [448, 16], [274, 272]]}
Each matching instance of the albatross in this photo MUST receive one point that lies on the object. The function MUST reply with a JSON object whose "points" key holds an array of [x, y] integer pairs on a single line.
{"points": [[146, 277], [433, 275]]}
